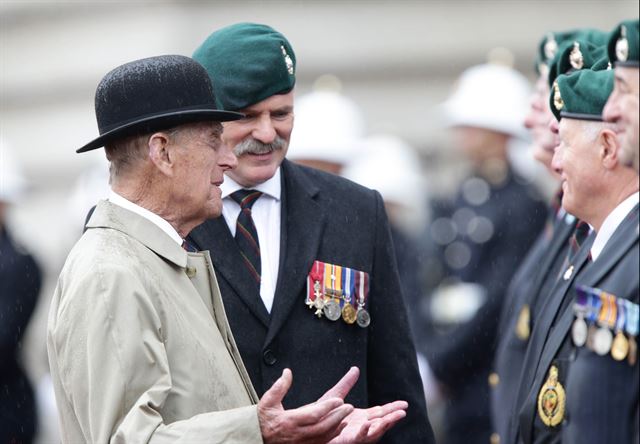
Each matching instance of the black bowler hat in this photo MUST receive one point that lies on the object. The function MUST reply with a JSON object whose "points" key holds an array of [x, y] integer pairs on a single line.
{"points": [[154, 94]]}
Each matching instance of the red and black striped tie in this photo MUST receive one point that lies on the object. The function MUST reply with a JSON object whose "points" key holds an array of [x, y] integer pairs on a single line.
{"points": [[246, 233]]}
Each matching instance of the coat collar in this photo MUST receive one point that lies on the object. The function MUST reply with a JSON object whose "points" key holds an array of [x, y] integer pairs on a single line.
{"points": [[109, 215]]}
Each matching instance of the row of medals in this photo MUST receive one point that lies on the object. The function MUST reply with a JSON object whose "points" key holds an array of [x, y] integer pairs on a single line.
{"points": [[602, 341], [329, 305]]}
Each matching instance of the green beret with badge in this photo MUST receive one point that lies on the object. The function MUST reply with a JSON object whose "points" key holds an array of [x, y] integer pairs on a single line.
{"points": [[574, 55], [581, 94], [624, 44], [550, 45], [247, 63]]}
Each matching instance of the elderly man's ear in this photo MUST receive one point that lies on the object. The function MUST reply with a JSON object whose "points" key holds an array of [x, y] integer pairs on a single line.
{"points": [[609, 149], [161, 153]]}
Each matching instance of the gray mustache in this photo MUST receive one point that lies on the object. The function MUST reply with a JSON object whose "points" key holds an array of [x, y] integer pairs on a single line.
{"points": [[253, 146]]}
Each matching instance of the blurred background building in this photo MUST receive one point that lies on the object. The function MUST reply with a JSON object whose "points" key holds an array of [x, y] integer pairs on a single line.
{"points": [[397, 60]]}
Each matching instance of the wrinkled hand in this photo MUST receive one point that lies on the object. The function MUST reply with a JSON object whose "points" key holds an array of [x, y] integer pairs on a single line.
{"points": [[364, 426], [319, 422]]}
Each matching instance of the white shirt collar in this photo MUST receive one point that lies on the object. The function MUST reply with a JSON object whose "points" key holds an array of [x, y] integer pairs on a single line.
{"points": [[613, 220], [165, 226], [271, 187]]}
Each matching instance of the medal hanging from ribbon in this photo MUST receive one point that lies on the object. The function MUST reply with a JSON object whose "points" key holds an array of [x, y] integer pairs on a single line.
{"points": [[620, 345], [603, 337], [315, 288], [348, 310], [579, 330], [332, 291], [632, 325], [362, 288]]}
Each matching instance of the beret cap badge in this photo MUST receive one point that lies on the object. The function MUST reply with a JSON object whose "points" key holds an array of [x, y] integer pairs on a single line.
{"points": [[550, 47], [287, 60], [576, 58], [557, 97], [622, 45]]}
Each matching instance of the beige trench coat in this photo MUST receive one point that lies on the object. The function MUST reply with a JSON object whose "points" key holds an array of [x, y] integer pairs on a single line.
{"points": [[139, 345]]}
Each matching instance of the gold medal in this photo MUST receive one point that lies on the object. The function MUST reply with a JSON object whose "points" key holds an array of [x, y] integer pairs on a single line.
{"points": [[632, 357], [523, 329], [551, 400], [348, 313], [620, 347]]}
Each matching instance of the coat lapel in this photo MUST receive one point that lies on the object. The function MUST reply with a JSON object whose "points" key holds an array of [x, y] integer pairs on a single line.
{"points": [[215, 236], [623, 239], [303, 221]]}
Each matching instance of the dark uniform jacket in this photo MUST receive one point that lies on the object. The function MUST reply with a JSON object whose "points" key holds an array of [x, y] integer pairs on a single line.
{"points": [[335, 221], [462, 357], [601, 393], [517, 320], [20, 281]]}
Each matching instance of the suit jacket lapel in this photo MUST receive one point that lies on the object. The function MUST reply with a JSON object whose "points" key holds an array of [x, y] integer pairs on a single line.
{"points": [[623, 239], [225, 256], [559, 241], [303, 221]]}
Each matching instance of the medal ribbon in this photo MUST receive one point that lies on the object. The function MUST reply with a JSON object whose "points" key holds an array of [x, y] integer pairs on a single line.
{"points": [[622, 317], [348, 285], [594, 302], [317, 270], [608, 310], [580, 305], [333, 280], [633, 320]]}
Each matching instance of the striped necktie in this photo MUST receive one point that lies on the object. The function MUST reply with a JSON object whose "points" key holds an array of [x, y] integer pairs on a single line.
{"points": [[246, 233]]}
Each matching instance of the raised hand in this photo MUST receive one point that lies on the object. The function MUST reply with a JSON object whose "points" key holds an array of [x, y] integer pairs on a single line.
{"points": [[319, 422]]}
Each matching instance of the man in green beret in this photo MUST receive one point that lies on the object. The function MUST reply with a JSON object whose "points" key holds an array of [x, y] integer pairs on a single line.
{"points": [[622, 107], [579, 385], [304, 258], [572, 50]]}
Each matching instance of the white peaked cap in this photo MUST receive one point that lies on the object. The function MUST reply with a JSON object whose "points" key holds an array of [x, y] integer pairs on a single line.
{"points": [[490, 96], [391, 166], [12, 182], [328, 126]]}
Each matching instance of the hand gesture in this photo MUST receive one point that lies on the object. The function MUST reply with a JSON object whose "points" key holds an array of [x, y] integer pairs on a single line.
{"points": [[313, 423], [364, 426]]}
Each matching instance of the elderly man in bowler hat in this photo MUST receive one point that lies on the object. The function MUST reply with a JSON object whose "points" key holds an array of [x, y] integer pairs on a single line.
{"points": [[139, 345], [304, 258]]}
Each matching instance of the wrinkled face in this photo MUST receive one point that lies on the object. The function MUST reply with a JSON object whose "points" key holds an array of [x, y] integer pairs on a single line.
{"points": [[261, 139], [200, 170], [622, 111], [537, 121], [577, 161]]}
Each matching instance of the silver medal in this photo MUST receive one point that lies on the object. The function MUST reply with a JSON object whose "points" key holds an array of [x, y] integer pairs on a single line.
{"points": [[579, 332], [602, 340], [362, 318], [332, 310]]}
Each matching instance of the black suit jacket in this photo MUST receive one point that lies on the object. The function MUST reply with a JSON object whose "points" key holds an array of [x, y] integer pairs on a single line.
{"points": [[601, 393], [524, 290], [330, 219]]}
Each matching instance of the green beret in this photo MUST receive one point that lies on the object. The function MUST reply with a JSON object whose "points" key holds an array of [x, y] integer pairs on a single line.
{"points": [[247, 63], [624, 43], [581, 94], [550, 44], [574, 55]]}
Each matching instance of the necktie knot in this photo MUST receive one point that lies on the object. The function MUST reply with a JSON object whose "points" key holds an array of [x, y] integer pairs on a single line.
{"points": [[581, 233], [246, 198]]}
